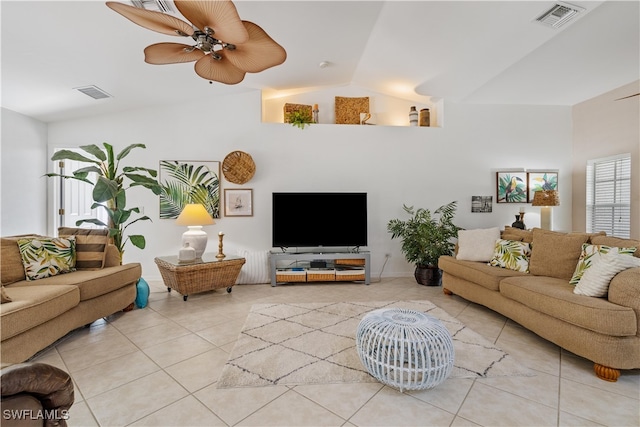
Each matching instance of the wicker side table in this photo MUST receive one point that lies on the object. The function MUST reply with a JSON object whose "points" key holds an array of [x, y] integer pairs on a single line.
{"points": [[405, 349], [201, 275]]}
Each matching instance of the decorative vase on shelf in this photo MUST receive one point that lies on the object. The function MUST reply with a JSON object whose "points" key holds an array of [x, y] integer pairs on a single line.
{"points": [[187, 253], [519, 222], [413, 116], [425, 118]]}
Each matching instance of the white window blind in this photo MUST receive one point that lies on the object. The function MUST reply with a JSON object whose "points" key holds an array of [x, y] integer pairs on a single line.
{"points": [[609, 195]]}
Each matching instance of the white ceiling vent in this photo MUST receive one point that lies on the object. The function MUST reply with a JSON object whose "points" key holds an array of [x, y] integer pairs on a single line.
{"points": [[156, 5], [93, 91], [559, 14]]}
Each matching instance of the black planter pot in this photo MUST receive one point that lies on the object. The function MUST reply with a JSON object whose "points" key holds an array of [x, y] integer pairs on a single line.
{"points": [[428, 276]]}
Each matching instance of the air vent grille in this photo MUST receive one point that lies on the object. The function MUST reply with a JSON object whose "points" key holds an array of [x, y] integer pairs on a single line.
{"points": [[94, 92], [559, 14]]}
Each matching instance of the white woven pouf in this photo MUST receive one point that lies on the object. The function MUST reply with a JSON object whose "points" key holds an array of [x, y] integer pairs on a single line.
{"points": [[405, 349]]}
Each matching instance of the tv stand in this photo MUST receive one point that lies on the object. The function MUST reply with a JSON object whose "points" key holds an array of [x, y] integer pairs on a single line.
{"points": [[276, 256]]}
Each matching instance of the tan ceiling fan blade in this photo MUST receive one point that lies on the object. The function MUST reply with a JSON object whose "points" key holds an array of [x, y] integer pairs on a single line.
{"points": [[171, 53], [221, 16], [154, 21], [221, 71], [259, 53]]}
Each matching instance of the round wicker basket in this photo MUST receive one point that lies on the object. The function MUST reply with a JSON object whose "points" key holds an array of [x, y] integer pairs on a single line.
{"points": [[238, 167]]}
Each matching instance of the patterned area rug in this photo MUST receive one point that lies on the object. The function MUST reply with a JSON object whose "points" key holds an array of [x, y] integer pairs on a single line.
{"points": [[314, 343]]}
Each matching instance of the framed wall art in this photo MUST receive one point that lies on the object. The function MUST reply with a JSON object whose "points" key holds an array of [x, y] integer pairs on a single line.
{"points": [[481, 204], [511, 187], [540, 181], [238, 202], [185, 182]]}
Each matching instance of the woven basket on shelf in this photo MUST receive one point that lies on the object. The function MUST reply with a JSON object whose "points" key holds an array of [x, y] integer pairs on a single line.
{"points": [[348, 109], [290, 108], [238, 167]]}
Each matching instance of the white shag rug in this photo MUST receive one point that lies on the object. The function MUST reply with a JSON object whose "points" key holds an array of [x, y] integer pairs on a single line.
{"points": [[314, 343]]}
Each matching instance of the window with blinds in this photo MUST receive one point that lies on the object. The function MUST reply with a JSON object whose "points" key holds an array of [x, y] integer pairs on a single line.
{"points": [[609, 195]]}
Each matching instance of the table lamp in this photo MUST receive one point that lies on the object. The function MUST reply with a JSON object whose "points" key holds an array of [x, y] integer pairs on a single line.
{"points": [[546, 199], [194, 216]]}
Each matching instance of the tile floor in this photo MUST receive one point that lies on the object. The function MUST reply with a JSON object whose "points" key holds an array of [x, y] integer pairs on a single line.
{"points": [[158, 366]]}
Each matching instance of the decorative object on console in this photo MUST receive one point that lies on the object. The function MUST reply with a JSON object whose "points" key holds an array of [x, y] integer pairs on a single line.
{"points": [[364, 117], [425, 117], [519, 222], [220, 253], [348, 109], [189, 182], [238, 202], [541, 181], [195, 216], [238, 167], [226, 47], [511, 187], [315, 113], [426, 238], [186, 253], [545, 200], [413, 116]]}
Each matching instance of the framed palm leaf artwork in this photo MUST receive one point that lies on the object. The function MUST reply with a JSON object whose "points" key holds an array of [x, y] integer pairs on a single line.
{"points": [[186, 182], [511, 187], [541, 181]]}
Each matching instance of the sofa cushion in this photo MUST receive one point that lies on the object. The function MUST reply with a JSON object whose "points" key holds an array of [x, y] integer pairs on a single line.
{"points": [[11, 267], [595, 281], [616, 241], [555, 254], [476, 272], [46, 257], [478, 244], [511, 254], [512, 233], [95, 283], [4, 297], [591, 254], [256, 268], [34, 305], [91, 244], [555, 297]]}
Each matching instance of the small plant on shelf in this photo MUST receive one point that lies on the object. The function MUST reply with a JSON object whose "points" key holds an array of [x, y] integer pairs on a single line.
{"points": [[299, 118]]}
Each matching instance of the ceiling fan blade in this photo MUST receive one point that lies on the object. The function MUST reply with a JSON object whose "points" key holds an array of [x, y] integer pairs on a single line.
{"points": [[259, 53], [155, 21], [171, 53], [221, 71], [220, 15]]}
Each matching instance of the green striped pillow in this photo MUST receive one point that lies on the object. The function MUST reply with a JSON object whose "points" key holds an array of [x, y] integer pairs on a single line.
{"points": [[91, 246]]}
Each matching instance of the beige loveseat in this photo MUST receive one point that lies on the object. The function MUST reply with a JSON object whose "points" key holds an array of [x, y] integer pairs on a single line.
{"points": [[605, 330], [44, 310]]}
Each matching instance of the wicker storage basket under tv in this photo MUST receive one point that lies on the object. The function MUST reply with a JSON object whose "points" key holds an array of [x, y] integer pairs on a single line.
{"points": [[355, 274], [321, 275], [291, 276]]}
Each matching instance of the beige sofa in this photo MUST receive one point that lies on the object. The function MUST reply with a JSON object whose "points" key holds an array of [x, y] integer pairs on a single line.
{"points": [[605, 330], [44, 310]]}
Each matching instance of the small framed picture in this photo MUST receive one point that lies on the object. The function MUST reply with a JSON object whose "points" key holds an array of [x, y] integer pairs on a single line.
{"points": [[541, 181], [511, 187], [481, 204], [238, 202]]}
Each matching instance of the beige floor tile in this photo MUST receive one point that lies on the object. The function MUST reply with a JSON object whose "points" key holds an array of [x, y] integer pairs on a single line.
{"points": [[578, 369], [292, 409], [80, 416], [97, 331], [391, 408], [178, 349], [598, 405], [111, 346], [543, 357], [222, 334], [185, 412], [489, 406], [570, 420], [461, 422], [135, 320], [135, 400], [199, 371], [341, 399], [164, 331], [235, 404], [542, 388], [99, 378], [448, 395]]}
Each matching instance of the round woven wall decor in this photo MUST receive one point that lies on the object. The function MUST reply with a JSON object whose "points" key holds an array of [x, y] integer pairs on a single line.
{"points": [[238, 167]]}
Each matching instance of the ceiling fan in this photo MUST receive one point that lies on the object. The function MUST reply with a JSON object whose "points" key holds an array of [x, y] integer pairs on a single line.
{"points": [[226, 48]]}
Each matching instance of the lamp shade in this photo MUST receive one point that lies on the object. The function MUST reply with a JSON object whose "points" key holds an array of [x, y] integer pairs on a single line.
{"points": [[194, 214], [546, 198]]}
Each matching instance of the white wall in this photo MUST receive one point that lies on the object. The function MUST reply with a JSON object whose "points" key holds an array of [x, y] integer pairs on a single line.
{"points": [[23, 202], [604, 127], [425, 167]]}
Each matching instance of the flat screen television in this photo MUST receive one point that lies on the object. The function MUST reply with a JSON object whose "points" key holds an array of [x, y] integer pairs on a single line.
{"points": [[319, 219]]}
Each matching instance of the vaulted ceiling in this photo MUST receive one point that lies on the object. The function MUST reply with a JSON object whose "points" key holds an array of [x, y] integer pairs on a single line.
{"points": [[466, 51]]}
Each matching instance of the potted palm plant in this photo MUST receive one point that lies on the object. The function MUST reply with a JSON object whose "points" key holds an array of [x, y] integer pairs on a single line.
{"points": [[109, 188], [425, 238]]}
